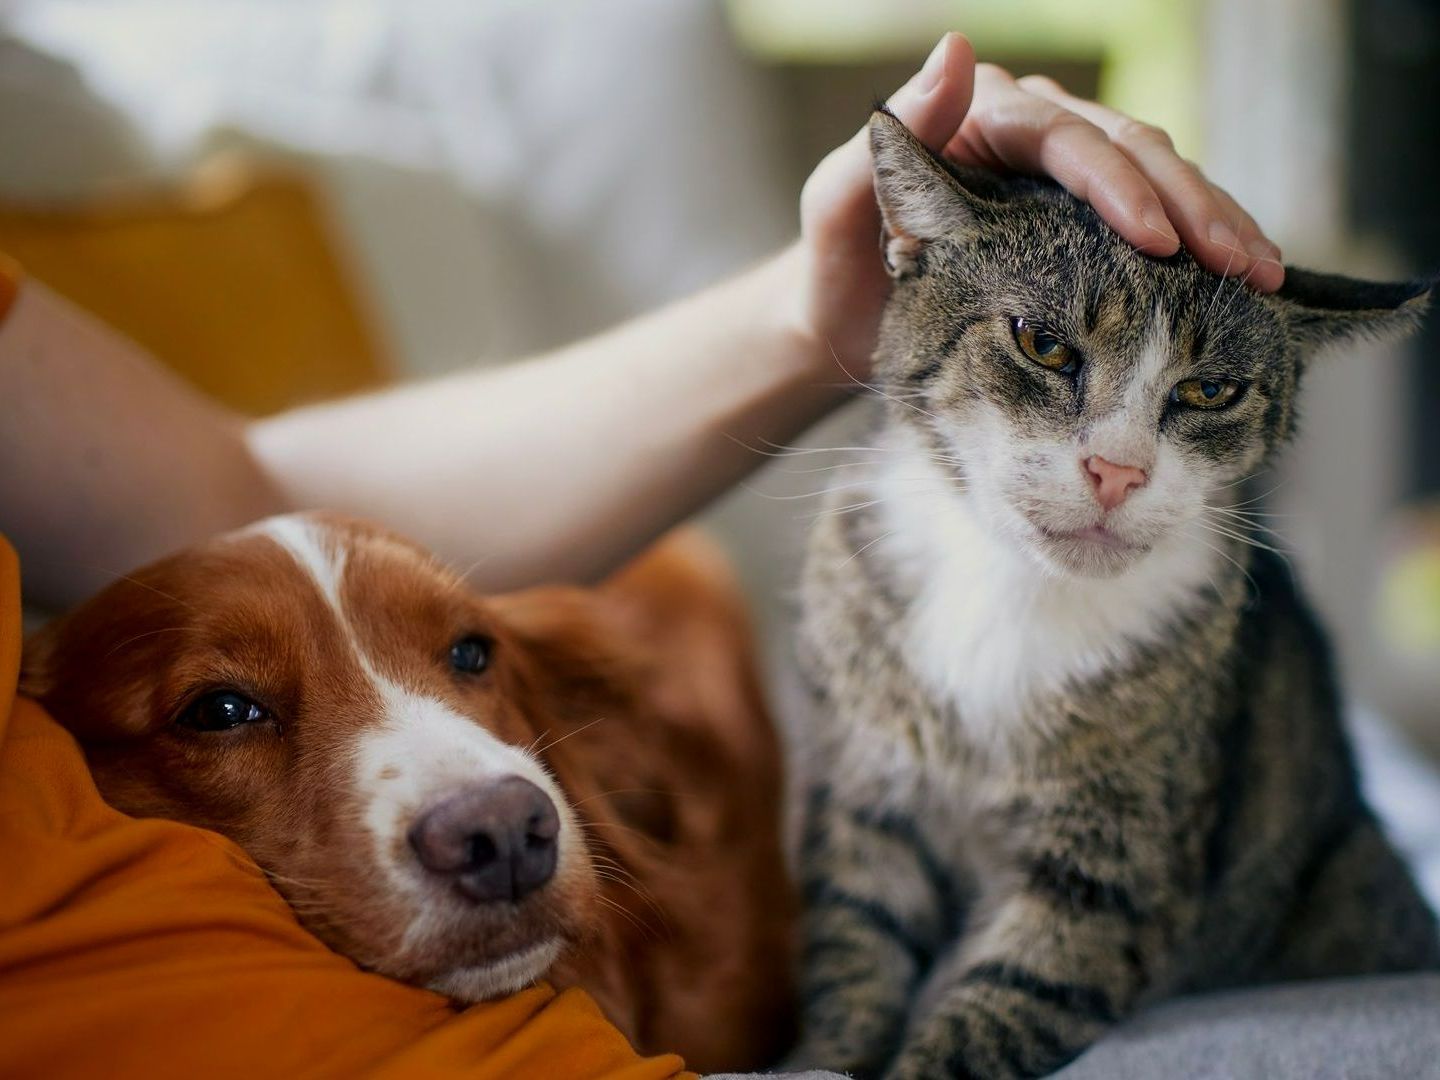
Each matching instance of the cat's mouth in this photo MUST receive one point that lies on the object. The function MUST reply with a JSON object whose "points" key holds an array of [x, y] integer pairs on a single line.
{"points": [[1097, 535], [1092, 551]]}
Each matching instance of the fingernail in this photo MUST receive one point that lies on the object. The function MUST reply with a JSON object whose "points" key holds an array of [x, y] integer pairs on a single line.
{"points": [[1260, 248], [1222, 235], [929, 77], [1155, 220]]}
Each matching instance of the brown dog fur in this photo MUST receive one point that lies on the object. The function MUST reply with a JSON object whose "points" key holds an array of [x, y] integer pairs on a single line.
{"points": [[640, 696]]}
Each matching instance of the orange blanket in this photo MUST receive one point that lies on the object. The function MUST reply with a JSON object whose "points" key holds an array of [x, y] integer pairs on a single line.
{"points": [[152, 949]]}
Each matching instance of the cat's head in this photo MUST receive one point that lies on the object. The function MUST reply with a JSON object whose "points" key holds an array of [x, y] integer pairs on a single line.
{"points": [[1093, 399]]}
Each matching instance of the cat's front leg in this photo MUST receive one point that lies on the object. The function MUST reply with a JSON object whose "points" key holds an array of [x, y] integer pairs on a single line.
{"points": [[879, 904], [1044, 978]]}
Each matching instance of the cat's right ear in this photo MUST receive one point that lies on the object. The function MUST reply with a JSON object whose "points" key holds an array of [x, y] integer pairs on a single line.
{"points": [[920, 201], [1325, 309]]}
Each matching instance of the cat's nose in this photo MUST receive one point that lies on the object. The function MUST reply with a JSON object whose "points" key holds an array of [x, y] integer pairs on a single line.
{"points": [[1112, 483]]}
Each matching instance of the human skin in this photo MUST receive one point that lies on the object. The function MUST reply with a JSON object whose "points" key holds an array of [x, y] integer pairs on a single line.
{"points": [[563, 466]]}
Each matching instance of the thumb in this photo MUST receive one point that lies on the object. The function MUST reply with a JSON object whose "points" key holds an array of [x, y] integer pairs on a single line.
{"points": [[838, 197], [935, 100]]}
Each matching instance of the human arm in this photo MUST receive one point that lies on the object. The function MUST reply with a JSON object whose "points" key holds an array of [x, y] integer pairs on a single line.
{"points": [[667, 412], [560, 467]]}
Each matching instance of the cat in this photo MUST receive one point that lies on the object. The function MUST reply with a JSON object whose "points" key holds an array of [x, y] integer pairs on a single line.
{"points": [[1078, 742]]}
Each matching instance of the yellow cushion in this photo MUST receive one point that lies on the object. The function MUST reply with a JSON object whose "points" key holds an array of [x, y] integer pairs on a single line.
{"points": [[234, 280]]}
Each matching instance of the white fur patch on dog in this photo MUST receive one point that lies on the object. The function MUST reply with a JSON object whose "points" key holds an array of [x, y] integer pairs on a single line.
{"points": [[507, 975], [419, 751]]}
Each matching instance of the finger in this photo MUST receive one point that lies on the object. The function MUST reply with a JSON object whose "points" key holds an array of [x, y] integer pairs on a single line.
{"points": [[935, 101], [1032, 134], [963, 146], [1268, 274], [932, 104], [1220, 235]]}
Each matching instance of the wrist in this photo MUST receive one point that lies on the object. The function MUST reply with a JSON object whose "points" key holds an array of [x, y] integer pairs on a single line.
{"points": [[788, 312]]}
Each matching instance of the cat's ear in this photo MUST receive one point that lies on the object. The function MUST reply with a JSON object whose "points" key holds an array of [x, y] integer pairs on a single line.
{"points": [[1325, 309], [920, 200]]}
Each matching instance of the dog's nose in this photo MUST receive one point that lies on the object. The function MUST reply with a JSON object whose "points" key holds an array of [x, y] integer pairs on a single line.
{"points": [[496, 840], [1112, 483]]}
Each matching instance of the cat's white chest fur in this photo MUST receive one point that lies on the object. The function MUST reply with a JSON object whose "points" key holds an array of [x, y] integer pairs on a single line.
{"points": [[992, 632]]}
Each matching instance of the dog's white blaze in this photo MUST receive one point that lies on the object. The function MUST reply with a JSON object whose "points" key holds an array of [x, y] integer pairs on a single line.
{"points": [[420, 751], [305, 541], [423, 751]]}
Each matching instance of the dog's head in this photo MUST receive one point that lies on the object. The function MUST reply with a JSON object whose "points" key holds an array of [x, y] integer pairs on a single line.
{"points": [[369, 729]]}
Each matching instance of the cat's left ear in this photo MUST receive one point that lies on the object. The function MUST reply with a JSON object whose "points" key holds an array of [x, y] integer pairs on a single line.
{"points": [[920, 199], [1325, 309]]}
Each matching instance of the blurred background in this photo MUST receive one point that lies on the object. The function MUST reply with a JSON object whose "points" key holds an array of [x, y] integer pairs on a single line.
{"points": [[288, 199]]}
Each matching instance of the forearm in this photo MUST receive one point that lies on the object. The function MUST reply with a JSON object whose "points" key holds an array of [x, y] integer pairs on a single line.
{"points": [[563, 466], [107, 460], [557, 468]]}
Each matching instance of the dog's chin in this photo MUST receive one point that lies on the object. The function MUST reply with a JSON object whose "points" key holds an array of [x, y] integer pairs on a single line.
{"points": [[1091, 552], [495, 978]]}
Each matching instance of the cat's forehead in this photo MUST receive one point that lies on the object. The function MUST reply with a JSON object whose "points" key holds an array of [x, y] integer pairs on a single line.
{"points": [[1052, 257]]}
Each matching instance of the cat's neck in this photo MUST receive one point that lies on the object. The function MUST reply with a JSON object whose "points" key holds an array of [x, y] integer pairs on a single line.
{"points": [[991, 631]]}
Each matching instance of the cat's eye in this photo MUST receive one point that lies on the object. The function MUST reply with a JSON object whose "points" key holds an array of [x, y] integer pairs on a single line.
{"points": [[221, 710], [471, 654], [1043, 347], [1205, 393]]}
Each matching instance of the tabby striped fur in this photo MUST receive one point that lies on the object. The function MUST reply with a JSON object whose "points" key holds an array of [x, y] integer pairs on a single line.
{"points": [[1045, 790]]}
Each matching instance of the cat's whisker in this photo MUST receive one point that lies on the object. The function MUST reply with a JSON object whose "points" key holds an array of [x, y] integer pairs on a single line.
{"points": [[1220, 285], [1258, 498], [1239, 288], [867, 546], [938, 461], [848, 509], [1243, 509], [1237, 483], [784, 450], [875, 389], [872, 387], [840, 485], [1242, 538], [1250, 515], [1247, 531], [829, 468], [1254, 586]]}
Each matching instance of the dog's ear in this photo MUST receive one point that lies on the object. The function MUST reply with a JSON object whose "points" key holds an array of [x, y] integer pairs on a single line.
{"points": [[570, 657], [588, 687]]}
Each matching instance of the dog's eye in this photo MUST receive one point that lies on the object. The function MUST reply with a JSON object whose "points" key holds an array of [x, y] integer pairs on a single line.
{"points": [[222, 710], [470, 655], [1044, 348]]}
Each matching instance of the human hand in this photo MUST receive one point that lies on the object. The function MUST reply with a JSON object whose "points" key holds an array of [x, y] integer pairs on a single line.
{"points": [[981, 115]]}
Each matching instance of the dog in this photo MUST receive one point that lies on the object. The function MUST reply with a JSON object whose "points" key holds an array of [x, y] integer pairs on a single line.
{"points": [[463, 792]]}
